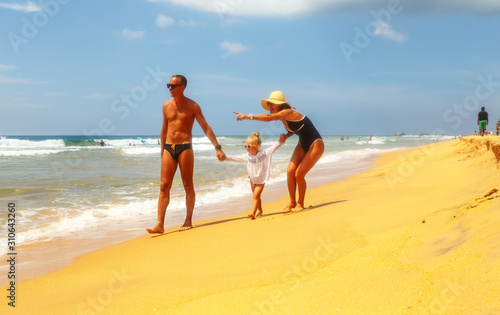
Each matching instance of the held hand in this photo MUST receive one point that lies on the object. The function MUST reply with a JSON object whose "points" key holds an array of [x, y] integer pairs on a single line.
{"points": [[282, 138], [240, 116], [221, 156]]}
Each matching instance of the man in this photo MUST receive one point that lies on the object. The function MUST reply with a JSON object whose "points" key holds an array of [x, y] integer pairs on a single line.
{"points": [[179, 114], [482, 121]]}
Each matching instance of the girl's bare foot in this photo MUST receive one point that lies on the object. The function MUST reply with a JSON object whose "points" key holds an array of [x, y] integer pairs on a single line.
{"points": [[259, 214], [251, 216], [298, 208]]}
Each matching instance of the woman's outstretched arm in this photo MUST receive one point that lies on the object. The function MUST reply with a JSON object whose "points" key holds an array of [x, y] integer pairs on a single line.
{"points": [[284, 114]]}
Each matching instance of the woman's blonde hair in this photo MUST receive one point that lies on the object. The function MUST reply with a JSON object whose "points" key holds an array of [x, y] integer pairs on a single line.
{"points": [[255, 138]]}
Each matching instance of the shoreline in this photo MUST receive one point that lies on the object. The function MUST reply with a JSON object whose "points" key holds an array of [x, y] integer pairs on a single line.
{"points": [[42, 258], [416, 233]]}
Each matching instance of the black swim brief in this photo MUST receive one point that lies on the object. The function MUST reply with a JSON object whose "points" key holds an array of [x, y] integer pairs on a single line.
{"points": [[176, 149]]}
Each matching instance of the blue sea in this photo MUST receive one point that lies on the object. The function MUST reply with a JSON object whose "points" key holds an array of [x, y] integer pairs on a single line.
{"points": [[72, 188]]}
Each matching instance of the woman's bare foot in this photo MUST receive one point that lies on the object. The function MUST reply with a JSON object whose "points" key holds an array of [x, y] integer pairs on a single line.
{"points": [[288, 208], [156, 230], [185, 228], [298, 208]]}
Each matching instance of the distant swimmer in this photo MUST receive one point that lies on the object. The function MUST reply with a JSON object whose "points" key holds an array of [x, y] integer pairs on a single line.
{"points": [[179, 114], [102, 143]]}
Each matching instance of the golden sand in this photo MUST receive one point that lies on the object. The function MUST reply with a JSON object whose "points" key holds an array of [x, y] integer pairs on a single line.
{"points": [[416, 234]]}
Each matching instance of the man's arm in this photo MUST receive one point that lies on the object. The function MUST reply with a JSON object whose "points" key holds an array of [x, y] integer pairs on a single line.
{"points": [[208, 131]]}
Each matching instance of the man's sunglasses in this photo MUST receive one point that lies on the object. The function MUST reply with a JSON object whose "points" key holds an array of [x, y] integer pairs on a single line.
{"points": [[172, 85]]}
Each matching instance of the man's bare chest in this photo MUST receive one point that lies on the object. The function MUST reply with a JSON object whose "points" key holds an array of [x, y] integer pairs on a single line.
{"points": [[180, 116]]}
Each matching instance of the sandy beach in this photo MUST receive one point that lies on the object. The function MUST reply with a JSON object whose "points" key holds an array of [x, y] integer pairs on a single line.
{"points": [[415, 234]]}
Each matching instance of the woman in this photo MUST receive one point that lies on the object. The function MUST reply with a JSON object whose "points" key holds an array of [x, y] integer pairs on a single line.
{"points": [[306, 153]]}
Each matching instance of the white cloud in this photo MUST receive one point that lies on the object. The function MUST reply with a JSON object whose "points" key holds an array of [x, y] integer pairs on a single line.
{"points": [[132, 34], [386, 31], [232, 48], [31, 105], [163, 20], [6, 67], [276, 8], [29, 7], [12, 80], [55, 94], [99, 96], [188, 23]]}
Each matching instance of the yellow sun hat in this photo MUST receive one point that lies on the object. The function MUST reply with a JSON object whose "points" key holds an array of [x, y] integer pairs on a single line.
{"points": [[276, 97]]}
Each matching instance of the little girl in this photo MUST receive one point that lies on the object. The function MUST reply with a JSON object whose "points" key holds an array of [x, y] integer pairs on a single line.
{"points": [[258, 166]]}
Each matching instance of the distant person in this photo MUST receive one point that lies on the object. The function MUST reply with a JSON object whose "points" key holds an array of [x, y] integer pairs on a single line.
{"points": [[258, 166], [102, 143], [176, 137], [475, 133], [308, 151], [482, 121]]}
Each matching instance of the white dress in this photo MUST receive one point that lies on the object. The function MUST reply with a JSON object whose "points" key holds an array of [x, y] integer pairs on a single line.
{"points": [[259, 165]]}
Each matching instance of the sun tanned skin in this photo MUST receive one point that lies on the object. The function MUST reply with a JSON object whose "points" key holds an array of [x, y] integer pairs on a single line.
{"points": [[301, 162], [179, 114]]}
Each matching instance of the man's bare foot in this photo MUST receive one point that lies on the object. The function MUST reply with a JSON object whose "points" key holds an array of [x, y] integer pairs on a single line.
{"points": [[185, 228], [251, 216], [156, 230], [288, 208]]}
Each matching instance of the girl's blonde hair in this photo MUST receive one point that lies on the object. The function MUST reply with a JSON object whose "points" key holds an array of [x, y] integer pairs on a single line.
{"points": [[255, 138]]}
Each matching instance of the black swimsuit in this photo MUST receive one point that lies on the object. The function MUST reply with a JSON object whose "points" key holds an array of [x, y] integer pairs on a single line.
{"points": [[306, 131], [176, 149]]}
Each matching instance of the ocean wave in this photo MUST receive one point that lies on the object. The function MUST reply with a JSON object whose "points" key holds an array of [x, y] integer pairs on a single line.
{"points": [[29, 152], [126, 184], [50, 223], [130, 142], [203, 147], [141, 150], [47, 224], [22, 143]]}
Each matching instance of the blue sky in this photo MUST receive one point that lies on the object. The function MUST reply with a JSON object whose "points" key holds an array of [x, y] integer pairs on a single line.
{"points": [[355, 67]]}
